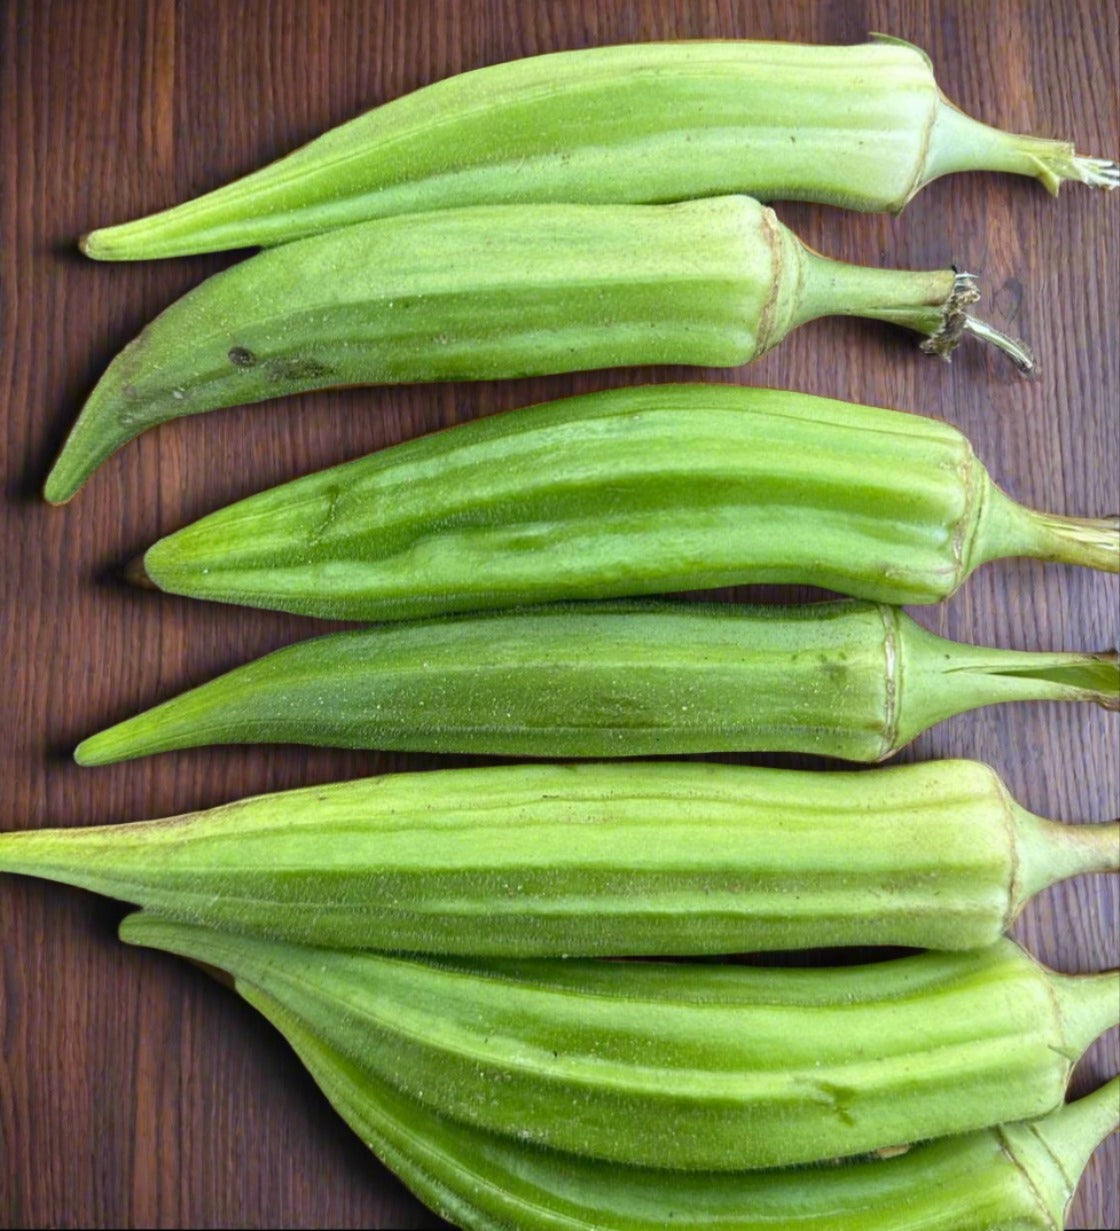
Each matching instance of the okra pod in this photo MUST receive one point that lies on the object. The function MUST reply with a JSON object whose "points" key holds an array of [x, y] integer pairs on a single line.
{"points": [[709, 1068], [594, 860], [634, 491], [844, 679], [626, 859], [864, 127], [496, 291], [1020, 1176]]}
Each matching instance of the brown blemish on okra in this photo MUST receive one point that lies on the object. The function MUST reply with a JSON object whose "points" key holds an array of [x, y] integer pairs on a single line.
{"points": [[975, 485], [957, 321], [891, 681], [839, 1098], [294, 368], [769, 230], [1015, 863]]}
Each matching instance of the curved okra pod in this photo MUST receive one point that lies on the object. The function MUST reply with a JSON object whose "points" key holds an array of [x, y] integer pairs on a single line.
{"points": [[844, 679], [642, 490], [863, 127], [695, 1068], [623, 859], [495, 291], [1021, 1175]]}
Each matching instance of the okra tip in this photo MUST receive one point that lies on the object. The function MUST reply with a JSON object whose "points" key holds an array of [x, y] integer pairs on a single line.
{"points": [[102, 245], [95, 750], [82, 452], [137, 575]]}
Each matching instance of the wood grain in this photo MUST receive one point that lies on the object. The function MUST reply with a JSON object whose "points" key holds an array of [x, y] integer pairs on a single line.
{"points": [[133, 1091]]}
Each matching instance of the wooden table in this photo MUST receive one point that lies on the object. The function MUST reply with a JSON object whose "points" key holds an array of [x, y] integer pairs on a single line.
{"points": [[135, 1091]]}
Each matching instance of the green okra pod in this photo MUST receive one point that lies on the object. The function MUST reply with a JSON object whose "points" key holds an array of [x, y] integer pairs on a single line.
{"points": [[844, 679], [496, 291], [864, 127], [616, 859], [1020, 1176], [633, 491], [709, 1068]]}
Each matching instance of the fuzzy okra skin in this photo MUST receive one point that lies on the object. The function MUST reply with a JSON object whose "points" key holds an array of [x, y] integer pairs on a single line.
{"points": [[594, 860], [1017, 1177], [864, 127], [496, 291], [633, 491], [844, 679], [694, 1068]]}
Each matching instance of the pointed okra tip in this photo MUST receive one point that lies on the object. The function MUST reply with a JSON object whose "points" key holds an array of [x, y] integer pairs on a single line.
{"points": [[101, 748], [111, 416], [98, 245], [212, 952], [73, 466], [136, 574], [158, 729]]}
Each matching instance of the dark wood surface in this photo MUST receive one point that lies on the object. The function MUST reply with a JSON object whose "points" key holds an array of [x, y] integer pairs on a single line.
{"points": [[134, 1091]]}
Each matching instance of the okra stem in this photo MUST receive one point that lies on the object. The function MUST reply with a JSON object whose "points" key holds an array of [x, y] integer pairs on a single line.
{"points": [[942, 678], [1048, 852], [934, 304], [1090, 541], [1088, 1006], [1006, 528], [1054, 1150], [960, 143]]}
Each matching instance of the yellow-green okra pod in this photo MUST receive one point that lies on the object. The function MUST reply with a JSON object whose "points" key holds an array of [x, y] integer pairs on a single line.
{"points": [[844, 679], [1020, 1176], [624, 859], [690, 1067], [496, 291], [634, 491], [863, 127]]}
